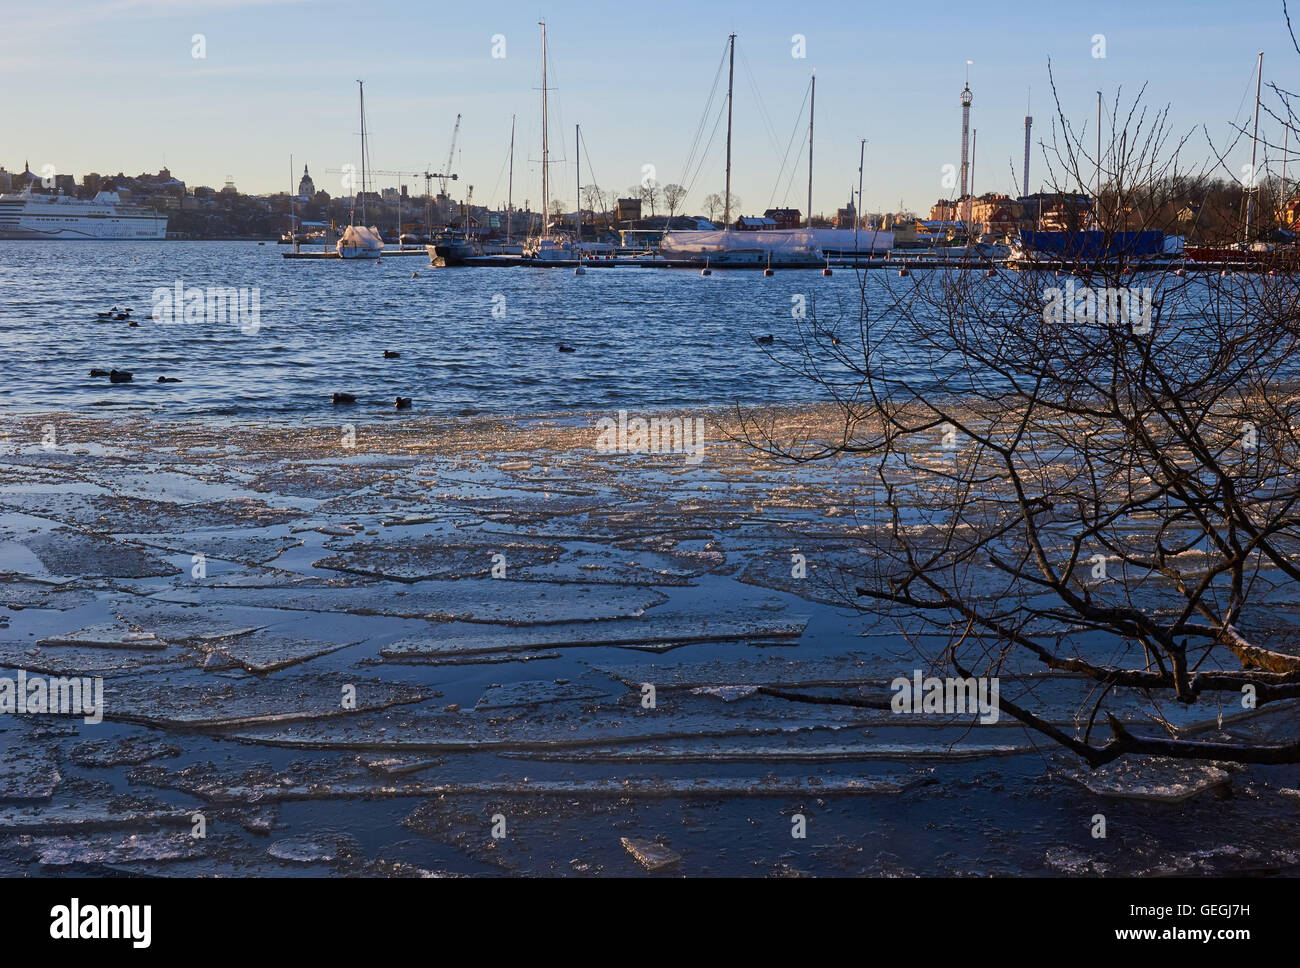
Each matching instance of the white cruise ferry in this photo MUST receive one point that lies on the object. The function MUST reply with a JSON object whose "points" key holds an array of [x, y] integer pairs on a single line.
{"points": [[31, 216]]}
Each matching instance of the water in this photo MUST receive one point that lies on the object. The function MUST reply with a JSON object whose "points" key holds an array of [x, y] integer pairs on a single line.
{"points": [[643, 337]]}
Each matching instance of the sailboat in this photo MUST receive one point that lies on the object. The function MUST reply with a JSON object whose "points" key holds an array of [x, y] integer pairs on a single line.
{"points": [[547, 247], [726, 249], [360, 241], [1247, 254]]}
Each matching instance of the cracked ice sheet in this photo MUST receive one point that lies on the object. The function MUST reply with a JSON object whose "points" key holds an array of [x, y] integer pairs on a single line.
{"points": [[831, 572], [110, 849], [19, 594], [248, 549], [107, 512], [424, 559], [290, 642], [108, 635], [849, 670], [1152, 778], [655, 628], [309, 781], [248, 701], [520, 507], [122, 751], [810, 749], [124, 813], [559, 724], [28, 774], [503, 601], [1226, 860], [270, 650], [63, 660], [535, 691], [75, 554]]}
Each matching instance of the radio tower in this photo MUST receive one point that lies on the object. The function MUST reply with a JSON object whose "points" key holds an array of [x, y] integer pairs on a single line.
{"points": [[1029, 123], [966, 98]]}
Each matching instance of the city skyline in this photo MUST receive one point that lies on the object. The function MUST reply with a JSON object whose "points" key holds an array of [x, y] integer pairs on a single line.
{"points": [[273, 81]]}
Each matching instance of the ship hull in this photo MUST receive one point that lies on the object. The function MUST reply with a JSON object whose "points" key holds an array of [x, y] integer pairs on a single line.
{"points": [[145, 230]]}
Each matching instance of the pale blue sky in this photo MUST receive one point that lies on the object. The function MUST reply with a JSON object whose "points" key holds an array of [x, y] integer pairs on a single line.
{"points": [[109, 86]]}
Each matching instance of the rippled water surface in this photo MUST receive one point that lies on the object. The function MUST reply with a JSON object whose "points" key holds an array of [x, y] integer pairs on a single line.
{"points": [[642, 337]]}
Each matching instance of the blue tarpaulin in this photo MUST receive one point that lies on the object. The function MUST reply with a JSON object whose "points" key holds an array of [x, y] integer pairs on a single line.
{"points": [[1096, 244]]}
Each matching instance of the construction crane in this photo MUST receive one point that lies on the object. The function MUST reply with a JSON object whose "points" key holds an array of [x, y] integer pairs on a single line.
{"points": [[428, 198], [451, 154], [428, 176], [396, 174], [442, 180]]}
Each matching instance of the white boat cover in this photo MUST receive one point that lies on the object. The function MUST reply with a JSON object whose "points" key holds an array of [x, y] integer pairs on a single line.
{"points": [[784, 246], [842, 240], [361, 237]]}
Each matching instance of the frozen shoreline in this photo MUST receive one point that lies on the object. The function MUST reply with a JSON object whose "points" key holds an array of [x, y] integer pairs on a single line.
{"points": [[496, 593]]}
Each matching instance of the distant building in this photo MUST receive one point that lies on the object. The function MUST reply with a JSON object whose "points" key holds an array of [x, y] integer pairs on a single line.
{"points": [[754, 223], [996, 214], [1055, 211], [784, 218], [6, 180], [229, 187], [306, 187], [846, 217], [947, 210], [26, 178], [627, 210], [65, 185]]}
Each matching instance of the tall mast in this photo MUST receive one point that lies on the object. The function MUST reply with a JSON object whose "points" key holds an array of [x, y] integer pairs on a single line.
{"points": [[1096, 203], [361, 85], [546, 157], [293, 216], [970, 205], [731, 79], [1254, 146], [857, 213], [1286, 144], [510, 185], [812, 112], [577, 157]]}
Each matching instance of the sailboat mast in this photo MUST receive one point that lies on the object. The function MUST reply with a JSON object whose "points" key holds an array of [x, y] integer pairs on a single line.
{"points": [[293, 212], [1096, 200], [731, 80], [546, 160], [361, 85], [577, 157], [1286, 144], [510, 185], [812, 113], [1254, 147], [857, 213]]}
